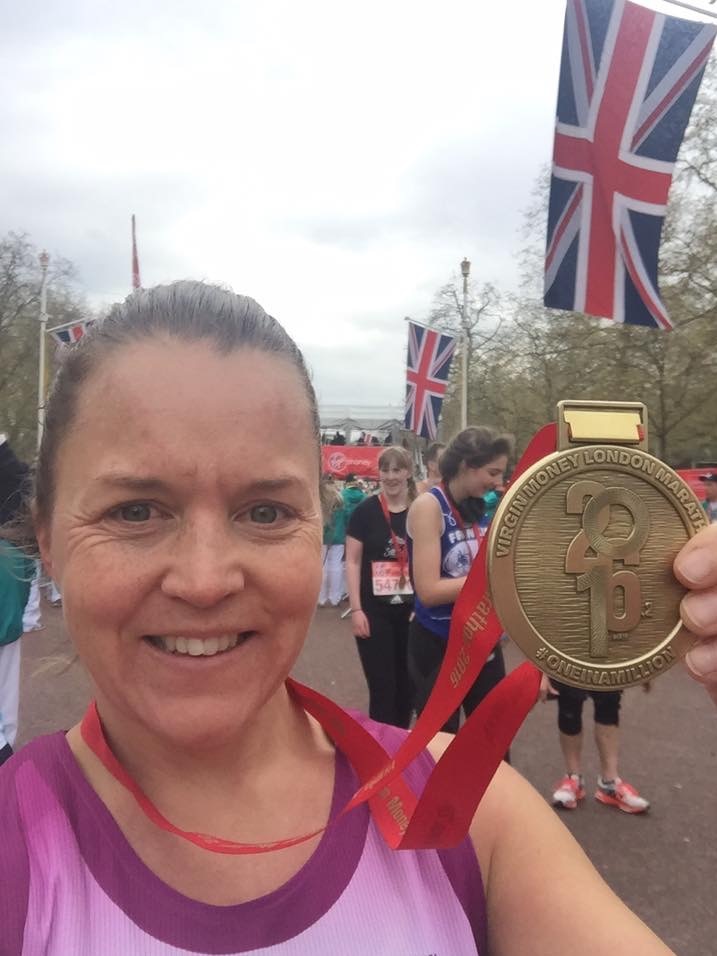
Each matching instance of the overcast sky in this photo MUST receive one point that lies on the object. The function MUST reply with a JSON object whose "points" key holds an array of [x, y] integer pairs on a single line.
{"points": [[335, 161]]}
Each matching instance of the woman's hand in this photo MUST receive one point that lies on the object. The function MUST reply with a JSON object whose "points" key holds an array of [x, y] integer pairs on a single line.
{"points": [[359, 622], [547, 691], [696, 568]]}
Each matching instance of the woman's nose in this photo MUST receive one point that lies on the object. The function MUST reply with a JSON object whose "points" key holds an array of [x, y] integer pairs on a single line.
{"points": [[206, 566]]}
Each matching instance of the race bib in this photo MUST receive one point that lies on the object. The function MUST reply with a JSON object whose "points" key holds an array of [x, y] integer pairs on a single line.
{"points": [[386, 579]]}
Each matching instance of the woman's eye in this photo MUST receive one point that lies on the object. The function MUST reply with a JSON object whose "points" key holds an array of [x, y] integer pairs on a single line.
{"points": [[265, 514], [134, 513]]}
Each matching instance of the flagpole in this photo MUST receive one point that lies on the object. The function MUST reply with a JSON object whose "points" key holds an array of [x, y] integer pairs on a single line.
{"points": [[689, 6], [136, 281], [466, 271], [44, 262]]}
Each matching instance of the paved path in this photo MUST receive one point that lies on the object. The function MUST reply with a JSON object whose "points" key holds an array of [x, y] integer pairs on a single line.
{"points": [[663, 864]]}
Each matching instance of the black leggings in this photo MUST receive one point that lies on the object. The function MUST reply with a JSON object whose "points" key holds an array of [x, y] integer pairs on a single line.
{"points": [[384, 661], [425, 656], [570, 707]]}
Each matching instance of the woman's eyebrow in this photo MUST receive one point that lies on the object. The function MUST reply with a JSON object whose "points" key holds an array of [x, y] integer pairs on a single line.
{"points": [[149, 484], [132, 482]]}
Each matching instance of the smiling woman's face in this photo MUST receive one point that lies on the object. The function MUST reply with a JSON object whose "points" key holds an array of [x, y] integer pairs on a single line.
{"points": [[186, 534]]}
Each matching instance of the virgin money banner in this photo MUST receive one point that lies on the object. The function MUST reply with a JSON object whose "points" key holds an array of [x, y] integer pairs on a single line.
{"points": [[692, 477], [342, 460]]}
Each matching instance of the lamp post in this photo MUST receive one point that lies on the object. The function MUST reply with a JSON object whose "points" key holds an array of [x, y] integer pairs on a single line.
{"points": [[465, 272], [44, 262]]}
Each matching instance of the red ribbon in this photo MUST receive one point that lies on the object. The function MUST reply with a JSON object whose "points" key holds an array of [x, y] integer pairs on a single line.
{"points": [[457, 517], [400, 550], [443, 813]]}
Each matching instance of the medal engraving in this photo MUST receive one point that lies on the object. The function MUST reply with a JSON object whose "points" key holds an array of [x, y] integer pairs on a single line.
{"points": [[580, 564], [614, 592]]}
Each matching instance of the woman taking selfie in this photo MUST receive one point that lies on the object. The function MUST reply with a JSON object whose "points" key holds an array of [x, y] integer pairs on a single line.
{"points": [[177, 505]]}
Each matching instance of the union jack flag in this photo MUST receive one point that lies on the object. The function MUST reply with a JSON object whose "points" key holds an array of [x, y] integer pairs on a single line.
{"points": [[429, 361], [71, 332], [628, 81]]}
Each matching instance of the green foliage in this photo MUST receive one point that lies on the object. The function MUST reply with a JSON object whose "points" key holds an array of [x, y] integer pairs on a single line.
{"points": [[20, 278]]}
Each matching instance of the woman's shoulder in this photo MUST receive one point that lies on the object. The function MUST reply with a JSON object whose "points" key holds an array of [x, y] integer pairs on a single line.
{"points": [[426, 508], [32, 776], [28, 785], [365, 509], [531, 864]]}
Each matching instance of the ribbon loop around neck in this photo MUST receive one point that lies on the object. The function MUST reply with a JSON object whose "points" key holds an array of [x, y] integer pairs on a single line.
{"points": [[440, 817]]}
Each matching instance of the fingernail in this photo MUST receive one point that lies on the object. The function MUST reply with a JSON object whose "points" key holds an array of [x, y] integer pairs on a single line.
{"points": [[702, 659], [696, 565]]}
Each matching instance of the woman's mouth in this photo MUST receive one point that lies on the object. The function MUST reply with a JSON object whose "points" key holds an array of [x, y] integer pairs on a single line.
{"points": [[198, 646]]}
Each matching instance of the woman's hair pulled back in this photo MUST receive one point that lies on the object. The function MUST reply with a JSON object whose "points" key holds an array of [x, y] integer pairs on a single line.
{"points": [[189, 311], [476, 446]]}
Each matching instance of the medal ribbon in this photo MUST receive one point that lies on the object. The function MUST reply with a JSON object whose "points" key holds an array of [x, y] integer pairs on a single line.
{"points": [[443, 813], [458, 517], [400, 550]]}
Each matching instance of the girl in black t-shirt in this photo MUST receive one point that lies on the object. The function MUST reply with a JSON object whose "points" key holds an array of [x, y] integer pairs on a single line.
{"points": [[380, 589]]}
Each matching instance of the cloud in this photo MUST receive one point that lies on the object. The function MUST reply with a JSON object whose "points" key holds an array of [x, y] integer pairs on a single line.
{"points": [[334, 162]]}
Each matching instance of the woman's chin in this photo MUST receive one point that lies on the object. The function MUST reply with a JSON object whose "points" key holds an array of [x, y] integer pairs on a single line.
{"points": [[194, 725]]}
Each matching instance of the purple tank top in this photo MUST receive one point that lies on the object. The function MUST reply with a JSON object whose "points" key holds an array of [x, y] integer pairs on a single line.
{"points": [[72, 884]]}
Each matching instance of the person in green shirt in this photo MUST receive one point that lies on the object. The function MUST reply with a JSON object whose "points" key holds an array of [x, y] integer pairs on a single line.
{"points": [[16, 572]]}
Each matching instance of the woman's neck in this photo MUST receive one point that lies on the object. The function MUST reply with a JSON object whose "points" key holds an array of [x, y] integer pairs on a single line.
{"points": [[396, 501], [174, 775], [241, 796], [456, 490]]}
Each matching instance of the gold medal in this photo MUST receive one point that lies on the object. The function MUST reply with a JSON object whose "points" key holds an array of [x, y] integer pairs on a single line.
{"points": [[580, 552]]}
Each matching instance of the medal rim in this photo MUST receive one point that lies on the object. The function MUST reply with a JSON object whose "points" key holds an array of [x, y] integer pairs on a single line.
{"points": [[502, 581]]}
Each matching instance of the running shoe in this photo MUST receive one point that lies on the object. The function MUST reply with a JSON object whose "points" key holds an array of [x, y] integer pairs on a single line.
{"points": [[570, 789], [617, 793]]}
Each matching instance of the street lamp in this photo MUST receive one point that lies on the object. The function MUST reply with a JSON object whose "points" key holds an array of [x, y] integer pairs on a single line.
{"points": [[465, 272], [44, 263]]}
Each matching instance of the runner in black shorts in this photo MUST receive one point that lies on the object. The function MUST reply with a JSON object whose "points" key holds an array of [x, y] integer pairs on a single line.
{"points": [[611, 790]]}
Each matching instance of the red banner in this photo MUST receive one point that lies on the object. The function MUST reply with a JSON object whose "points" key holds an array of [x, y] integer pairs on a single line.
{"points": [[342, 460], [692, 477]]}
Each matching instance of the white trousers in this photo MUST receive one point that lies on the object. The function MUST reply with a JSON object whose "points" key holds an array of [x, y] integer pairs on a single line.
{"points": [[332, 582], [31, 616], [9, 692]]}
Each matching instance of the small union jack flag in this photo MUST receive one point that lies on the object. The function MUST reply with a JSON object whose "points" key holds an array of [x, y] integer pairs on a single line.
{"points": [[429, 361], [628, 81], [70, 333]]}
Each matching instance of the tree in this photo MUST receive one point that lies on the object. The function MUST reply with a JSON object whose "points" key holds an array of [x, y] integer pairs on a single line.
{"points": [[483, 321], [20, 278]]}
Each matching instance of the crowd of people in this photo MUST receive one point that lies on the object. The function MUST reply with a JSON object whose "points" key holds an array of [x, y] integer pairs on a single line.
{"points": [[197, 807]]}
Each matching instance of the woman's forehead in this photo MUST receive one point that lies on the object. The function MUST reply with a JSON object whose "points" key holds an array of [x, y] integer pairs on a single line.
{"points": [[179, 400], [160, 375]]}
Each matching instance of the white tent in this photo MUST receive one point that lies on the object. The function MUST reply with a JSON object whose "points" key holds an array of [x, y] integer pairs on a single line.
{"points": [[361, 418]]}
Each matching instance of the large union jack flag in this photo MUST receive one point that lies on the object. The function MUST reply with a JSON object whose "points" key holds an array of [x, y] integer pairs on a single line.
{"points": [[628, 80], [429, 362]]}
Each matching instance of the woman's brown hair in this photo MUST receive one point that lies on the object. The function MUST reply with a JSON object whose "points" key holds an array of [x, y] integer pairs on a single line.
{"points": [[476, 446]]}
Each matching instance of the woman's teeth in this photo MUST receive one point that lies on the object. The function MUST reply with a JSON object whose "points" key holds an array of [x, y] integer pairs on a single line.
{"points": [[197, 646]]}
